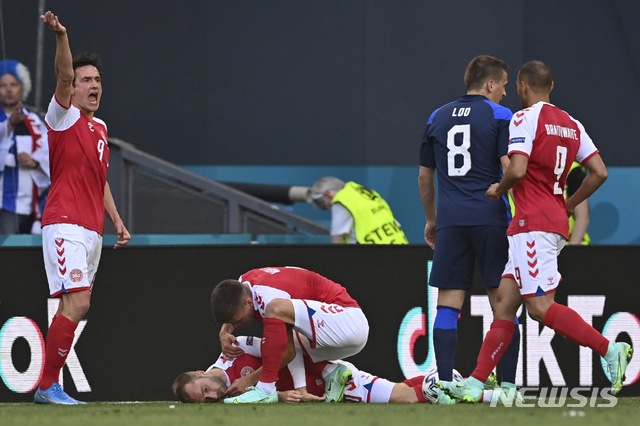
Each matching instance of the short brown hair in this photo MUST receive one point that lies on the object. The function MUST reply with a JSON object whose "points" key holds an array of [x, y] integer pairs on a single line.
{"points": [[537, 75], [83, 59], [226, 299], [181, 381], [482, 68]]}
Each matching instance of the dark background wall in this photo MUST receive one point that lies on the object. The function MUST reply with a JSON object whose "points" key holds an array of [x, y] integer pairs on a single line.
{"points": [[334, 82]]}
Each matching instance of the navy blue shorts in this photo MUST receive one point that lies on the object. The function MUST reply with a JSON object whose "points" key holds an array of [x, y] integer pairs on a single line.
{"points": [[458, 248]]}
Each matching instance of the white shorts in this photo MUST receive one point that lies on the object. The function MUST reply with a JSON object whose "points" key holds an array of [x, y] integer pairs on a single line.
{"points": [[365, 387], [331, 331], [71, 257], [533, 262]]}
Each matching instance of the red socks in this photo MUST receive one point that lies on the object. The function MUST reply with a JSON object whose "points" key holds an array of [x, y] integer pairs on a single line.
{"points": [[414, 381], [274, 344], [495, 344], [568, 323], [419, 394], [59, 341], [416, 384]]}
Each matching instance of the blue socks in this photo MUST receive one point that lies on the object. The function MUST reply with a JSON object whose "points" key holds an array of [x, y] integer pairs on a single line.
{"points": [[509, 361], [445, 340]]}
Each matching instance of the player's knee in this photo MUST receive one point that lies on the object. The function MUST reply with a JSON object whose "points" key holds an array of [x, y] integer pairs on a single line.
{"points": [[76, 306], [535, 313]]}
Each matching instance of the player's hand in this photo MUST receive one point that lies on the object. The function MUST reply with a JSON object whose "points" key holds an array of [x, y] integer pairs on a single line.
{"points": [[493, 193], [430, 234], [240, 386], [570, 210], [53, 23], [291, 396], [122, 234], [308, 397], [230, 346]]}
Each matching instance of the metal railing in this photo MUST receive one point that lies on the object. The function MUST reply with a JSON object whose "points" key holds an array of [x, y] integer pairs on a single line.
{"points": [[156, 197]]}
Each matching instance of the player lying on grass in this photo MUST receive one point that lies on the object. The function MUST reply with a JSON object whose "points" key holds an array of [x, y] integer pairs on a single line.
{"points": [[359, 386]]}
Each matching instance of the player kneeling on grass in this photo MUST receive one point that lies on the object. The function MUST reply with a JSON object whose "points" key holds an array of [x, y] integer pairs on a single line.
{"points": [[287, 299]]}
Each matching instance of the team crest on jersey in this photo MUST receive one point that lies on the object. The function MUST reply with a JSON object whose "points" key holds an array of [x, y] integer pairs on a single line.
{"points": [[90, 126], [75, 275], [270, 270], [246, 371]]}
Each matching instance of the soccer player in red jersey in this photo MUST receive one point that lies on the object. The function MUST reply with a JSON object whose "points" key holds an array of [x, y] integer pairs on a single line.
{"points": [[362, 387], [287, 299], [73, 220], [543, 143]]}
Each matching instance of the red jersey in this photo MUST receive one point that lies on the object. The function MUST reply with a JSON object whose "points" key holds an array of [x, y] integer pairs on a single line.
{"points": [[246, 364], [552, 140], [288, 282], [79, 160]]}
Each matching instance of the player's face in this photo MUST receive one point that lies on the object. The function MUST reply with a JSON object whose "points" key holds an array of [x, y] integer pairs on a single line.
{"points": [[244, 315], [205, 389], [500, 89], [10, 90], [88, 89]]}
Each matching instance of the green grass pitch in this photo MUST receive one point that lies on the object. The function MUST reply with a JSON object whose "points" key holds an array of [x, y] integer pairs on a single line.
{"points": [[626, 412]]}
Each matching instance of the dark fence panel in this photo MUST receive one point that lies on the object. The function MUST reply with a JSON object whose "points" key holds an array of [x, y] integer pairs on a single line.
{"points": [[294, 82]]}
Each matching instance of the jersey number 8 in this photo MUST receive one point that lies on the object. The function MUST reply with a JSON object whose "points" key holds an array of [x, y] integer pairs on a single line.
{"points": [[462, 150]]}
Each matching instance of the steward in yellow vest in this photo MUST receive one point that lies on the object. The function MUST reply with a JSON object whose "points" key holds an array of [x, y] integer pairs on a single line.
{"points": [[373, 220]]}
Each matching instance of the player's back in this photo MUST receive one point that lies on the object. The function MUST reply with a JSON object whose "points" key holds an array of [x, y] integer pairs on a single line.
{"points": [[300, 284], [552, 140], [464, 141]]}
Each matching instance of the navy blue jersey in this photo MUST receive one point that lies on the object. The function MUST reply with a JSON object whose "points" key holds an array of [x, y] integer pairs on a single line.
{"points": [[464, 141]]}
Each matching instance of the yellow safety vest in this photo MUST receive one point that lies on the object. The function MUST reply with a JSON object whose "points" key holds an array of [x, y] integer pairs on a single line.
{"points": [[373, 221], [586, 240]]}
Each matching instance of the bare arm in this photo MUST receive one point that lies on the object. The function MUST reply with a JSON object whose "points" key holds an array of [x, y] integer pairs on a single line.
{"points": [[427, 185], [595, 178], [112, 213], [504, 160], [515, 171], [64, 61], [581, 224]]}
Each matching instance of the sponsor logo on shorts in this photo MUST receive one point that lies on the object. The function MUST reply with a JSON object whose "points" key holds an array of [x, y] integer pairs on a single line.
{"points": [[75, 276], [246, 371]]}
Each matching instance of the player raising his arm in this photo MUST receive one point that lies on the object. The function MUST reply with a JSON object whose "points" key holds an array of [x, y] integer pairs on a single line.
{"points": [[73, 220]]}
